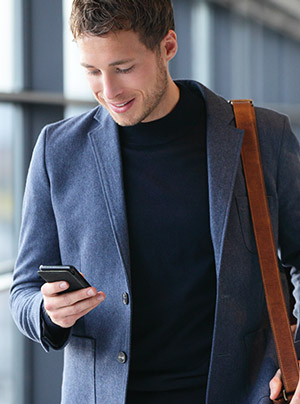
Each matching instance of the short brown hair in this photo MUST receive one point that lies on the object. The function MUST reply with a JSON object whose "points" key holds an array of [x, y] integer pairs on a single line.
{"points": [[151, 19]]}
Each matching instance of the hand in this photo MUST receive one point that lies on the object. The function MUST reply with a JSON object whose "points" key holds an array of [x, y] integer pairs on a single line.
{"points": [[276, 382], [276, 386], [65, 309]]}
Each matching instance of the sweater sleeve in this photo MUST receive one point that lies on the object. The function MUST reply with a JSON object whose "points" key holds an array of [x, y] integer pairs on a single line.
{"points": [[53, 334]]}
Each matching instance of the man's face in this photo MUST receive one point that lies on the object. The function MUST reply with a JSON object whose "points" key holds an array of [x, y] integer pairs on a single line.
{"points": [[129, 80]]}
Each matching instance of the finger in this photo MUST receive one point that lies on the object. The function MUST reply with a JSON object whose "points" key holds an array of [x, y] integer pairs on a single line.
{"points": [[80, 306], [275, 385], [296, 396], [293, 329], [56, 301], [67, 317], [52, 288]]}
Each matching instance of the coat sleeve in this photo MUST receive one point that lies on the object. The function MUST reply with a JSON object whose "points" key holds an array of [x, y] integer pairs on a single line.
{"points": [[288, 183], [38, 244]]}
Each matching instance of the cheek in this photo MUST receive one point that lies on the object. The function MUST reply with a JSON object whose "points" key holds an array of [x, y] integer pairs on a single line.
{"points": [[148, 77], [95, 84], [141, 81]]}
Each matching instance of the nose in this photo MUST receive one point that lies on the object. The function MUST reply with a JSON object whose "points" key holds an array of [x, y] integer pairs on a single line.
{"points": [[111, 87]]}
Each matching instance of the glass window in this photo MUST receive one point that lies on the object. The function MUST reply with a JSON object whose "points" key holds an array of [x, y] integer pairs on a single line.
{"points": [[75, 82], [8, 134], [6, 349], [8, 115], [7, 45], [6, 184]]}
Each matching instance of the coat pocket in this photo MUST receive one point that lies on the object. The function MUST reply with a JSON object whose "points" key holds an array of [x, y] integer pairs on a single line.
{"points": [[79, 371]]}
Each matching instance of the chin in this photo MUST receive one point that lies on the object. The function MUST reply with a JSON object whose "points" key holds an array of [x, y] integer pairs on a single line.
{"points": [[123, 121]]}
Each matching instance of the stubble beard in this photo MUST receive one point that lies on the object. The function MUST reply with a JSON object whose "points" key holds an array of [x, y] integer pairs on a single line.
{"points": [[152, 101]]}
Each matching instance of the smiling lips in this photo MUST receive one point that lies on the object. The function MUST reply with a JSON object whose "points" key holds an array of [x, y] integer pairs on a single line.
{"points": [[122, 107]]}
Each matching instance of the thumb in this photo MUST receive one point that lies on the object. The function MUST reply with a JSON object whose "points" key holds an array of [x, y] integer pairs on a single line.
{"points": [[296, 396], [276, 386]]}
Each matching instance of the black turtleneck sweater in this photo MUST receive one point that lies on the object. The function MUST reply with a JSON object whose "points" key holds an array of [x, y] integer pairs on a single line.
{"points": [[172, 264]]}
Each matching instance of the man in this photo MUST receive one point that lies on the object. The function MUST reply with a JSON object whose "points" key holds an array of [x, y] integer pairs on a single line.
{"points": [[146, 196]]}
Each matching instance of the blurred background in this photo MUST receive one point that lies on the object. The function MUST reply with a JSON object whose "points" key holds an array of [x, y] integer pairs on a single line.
{"points": [[238, 48]]}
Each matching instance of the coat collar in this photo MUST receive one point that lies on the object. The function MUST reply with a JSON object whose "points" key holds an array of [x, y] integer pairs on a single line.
{"points": [[223, 155]]}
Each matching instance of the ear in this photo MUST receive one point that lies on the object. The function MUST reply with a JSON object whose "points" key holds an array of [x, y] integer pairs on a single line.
{"points": [[169, 45]]}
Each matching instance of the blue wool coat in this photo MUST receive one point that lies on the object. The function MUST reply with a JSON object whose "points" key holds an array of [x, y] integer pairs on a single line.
{"points": [[74, 213]]}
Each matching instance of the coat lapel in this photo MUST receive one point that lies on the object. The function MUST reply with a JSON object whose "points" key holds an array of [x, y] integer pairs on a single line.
{"points": [[106, 149], [224, 143]]}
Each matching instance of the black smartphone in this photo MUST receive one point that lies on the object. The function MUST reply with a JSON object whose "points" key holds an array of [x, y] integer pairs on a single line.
{"points": [[68, 273]]}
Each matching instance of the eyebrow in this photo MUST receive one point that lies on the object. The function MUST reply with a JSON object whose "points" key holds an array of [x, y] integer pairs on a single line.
{"points": [[121, 62], [116, 63], [86, 65]]}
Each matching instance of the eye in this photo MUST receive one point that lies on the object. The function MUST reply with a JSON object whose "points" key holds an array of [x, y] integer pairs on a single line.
{"points": [[93, 72], [124, 71]]}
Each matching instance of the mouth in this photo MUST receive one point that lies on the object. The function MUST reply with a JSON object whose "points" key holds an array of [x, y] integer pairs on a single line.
{"points": [[122, 107]]}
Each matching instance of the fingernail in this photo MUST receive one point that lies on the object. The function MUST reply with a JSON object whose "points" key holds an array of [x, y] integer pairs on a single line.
{"points": [[91, 292], [100, 297], [63, 285]]}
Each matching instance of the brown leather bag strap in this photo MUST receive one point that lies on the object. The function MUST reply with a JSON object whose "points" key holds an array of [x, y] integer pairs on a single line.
{"points": [[246, 120]]}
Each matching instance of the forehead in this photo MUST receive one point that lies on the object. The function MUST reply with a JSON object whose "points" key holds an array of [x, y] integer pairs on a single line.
{"points": [[110, 47]]}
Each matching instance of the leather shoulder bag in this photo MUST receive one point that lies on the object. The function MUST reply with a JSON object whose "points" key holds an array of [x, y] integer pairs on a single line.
{"points": [[245, 119]]}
